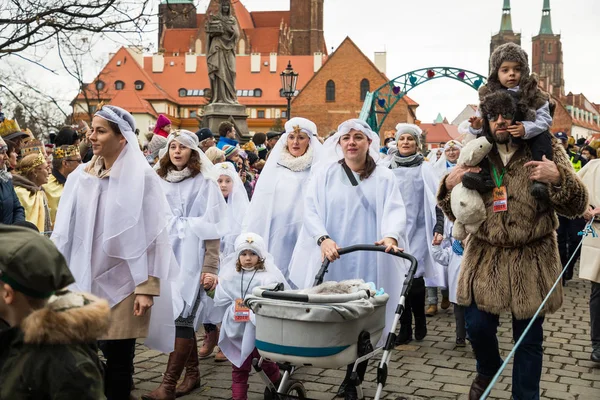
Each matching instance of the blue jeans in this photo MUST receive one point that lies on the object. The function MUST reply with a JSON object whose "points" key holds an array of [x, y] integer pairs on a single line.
{"points": [[527, 369]]}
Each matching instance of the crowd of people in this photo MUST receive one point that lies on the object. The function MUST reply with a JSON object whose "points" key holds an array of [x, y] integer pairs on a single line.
{"points": [[161, 237]]}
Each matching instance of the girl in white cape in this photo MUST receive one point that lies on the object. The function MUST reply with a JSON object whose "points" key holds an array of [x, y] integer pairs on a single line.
{"points": [[351, 200], [275, 211], [197, 221], [112, 228], [236, 197], [249, 266]]}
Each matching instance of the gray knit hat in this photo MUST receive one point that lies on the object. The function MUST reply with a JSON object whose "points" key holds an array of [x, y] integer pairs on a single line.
{"points": [[508, 52]]}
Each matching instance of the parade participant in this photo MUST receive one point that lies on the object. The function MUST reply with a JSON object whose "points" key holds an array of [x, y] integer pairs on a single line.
{"points": [[589, 153], [418, 184], [65, 159], [236, 197], [449, 254], [512, 261], [112, 228], [249, 266], [198, 219], [272, 139], [576, 159], [11, 209], [351, 200], [206, 139], [10, 130], [589, 266], [47, 337], [227, 135], [509, 72], [12, 155], [275, 212], [448, 158], [31, 174], [215, 155], [259, 139], [67, 136]]}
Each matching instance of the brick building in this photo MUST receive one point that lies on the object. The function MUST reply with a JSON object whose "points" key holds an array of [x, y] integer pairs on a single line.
{"points": [[337, 91], [506, 33]]}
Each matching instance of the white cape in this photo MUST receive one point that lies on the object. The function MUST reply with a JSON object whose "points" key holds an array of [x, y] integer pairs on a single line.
{"points": [[353, 215]]}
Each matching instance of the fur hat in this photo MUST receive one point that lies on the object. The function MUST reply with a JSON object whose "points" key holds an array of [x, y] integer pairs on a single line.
{"points": [[508, 52], [500, 102]]}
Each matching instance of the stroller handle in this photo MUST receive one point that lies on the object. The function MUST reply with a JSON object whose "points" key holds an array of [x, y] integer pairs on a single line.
{"points": [[367, 247]]}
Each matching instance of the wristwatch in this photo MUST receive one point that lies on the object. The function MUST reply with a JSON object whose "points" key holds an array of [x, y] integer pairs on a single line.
{"points": [[322, 239]]}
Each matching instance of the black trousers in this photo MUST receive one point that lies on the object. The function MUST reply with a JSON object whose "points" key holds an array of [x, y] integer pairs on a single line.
{"points": [[118, 374], [595, 315], [414, 306], [568, 240]]}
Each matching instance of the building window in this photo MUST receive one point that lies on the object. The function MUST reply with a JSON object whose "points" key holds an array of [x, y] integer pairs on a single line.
{"points": [[257, 92], [193, 114], [549, 48], [99, 85], [182, 92], [284, 114], [119, 85], [139, 85], [364, 89], [330, 91], [260, 114]]}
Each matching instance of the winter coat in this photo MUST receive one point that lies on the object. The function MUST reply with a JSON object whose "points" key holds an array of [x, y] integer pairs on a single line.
{"points": [[11, 210], [52, 354], [512, 261], [589, 265]]}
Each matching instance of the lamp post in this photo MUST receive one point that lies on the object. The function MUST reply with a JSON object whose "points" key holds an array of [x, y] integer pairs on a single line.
{"points": [[289, 78]]}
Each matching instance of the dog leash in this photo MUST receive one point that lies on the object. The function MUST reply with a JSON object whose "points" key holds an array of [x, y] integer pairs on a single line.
{"points": [[587, 231]]}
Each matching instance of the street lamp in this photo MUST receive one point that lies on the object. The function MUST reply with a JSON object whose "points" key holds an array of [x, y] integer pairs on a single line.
{"points": [[289, 78]]}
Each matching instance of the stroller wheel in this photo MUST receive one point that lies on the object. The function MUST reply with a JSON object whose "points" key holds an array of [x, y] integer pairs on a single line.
{"points": [[296, 389]]}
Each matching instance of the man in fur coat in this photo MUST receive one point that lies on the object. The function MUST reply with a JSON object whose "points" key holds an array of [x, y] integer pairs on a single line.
{"points": [[47, 337], [512, 261]]}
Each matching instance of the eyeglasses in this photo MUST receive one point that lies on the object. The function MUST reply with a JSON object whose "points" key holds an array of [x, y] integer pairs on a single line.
{"points": [[506, 116]]}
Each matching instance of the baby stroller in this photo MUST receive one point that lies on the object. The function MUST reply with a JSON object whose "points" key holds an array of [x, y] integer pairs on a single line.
{"points": [[324, 331]]}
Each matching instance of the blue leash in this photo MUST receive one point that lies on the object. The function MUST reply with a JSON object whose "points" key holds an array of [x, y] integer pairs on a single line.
{"points": [[588, 230]]}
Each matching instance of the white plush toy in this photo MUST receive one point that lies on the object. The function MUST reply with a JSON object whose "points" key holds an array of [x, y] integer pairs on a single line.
{"points": [[467, 205]]}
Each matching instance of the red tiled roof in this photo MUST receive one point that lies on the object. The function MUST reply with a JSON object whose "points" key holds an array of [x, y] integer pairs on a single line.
{"points": [[263, 19], [263, 40], [174, 78], [242, 14], [586, 125], [132, 102], [180, 40], [437, 133]]}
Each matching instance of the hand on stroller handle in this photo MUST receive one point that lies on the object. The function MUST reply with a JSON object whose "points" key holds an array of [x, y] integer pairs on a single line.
{"points": [[366, 247]]}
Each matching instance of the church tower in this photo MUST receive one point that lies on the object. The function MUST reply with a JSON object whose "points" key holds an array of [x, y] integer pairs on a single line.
{"points": [[306, 25], [547, 57], [506, 34]]}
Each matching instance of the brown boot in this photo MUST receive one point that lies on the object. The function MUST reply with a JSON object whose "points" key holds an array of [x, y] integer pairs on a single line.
{"points": [[191, 380], [431, 310], [177, 361], [220, 357], [480, 383], [209, 344]]}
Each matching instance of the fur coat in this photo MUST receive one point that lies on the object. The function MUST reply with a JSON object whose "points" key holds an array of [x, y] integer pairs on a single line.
{"points": [[53, 354], [511, 263]]}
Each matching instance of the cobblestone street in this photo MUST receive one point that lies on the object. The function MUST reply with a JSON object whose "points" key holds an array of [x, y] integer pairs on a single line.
{"points": [[433, 368]]}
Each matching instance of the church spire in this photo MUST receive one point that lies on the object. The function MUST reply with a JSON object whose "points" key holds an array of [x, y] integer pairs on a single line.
{"points": [[506, 23], [546, 27]]}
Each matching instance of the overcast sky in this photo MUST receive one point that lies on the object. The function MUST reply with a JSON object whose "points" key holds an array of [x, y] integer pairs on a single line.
{"points": [[418, 34], [456, 33]]}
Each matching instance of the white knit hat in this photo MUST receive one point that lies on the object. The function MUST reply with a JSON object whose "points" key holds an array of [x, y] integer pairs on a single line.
{"points": [[251, 241]]}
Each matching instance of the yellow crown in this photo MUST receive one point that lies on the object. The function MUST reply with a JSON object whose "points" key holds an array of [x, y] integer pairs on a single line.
{"points": [[65, 151], [36, 163], [9, 126], [31, 146]]}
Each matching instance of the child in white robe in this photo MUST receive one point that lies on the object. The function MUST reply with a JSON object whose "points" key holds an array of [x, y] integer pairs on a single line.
{"points": [[449, 254], [248, 267]]}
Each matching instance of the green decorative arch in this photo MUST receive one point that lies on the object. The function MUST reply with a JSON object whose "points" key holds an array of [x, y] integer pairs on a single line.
{"points": [[384, 99]]}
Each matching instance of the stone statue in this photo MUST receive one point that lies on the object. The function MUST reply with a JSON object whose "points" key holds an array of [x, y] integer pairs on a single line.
{"points": [[222, 35]]}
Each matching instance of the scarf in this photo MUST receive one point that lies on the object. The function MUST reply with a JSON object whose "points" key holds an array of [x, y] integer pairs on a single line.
{"points": [[96, 168], [175, 176], [5, 176], [411, 161], [296, 164]]}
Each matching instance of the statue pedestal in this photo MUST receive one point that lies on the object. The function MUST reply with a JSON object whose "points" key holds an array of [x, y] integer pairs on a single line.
{"points": [[215, 113]]}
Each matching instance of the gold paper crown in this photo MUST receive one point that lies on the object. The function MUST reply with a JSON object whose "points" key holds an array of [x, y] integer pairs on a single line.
{"points": [[9, 126], [40, 159], [65, 151], [31, 146]]}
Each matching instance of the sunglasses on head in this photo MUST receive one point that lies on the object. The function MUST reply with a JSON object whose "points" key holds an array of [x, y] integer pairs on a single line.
{"points": [[506, 116]]}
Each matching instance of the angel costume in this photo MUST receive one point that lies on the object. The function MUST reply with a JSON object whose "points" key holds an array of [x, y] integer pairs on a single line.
{"points": [[237, 337], [275, 212], [112, 228], [349, 215]]}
